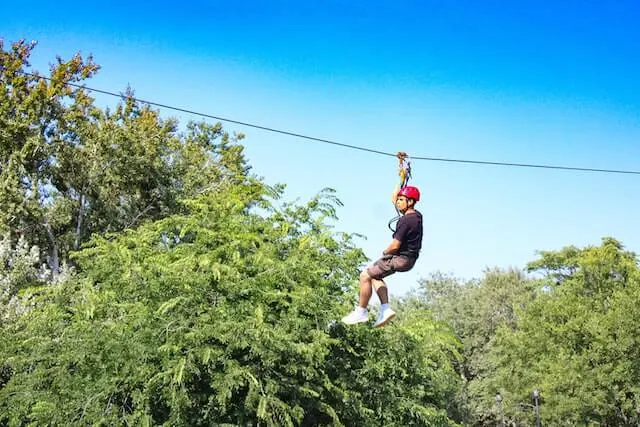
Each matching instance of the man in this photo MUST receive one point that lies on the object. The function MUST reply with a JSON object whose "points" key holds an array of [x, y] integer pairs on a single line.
{"points": [[401, 255]]}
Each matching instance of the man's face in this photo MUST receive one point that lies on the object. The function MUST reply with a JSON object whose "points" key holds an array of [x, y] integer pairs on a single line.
{"points": [[402, 203]]}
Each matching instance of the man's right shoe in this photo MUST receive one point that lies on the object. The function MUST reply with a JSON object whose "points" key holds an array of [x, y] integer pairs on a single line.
{"points": [[384, 317]]}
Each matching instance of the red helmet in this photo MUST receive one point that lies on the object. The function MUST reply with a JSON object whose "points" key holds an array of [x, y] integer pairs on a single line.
{"points": [[410, 193]]}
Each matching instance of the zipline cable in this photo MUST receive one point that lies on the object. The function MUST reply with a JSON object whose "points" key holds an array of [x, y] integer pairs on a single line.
{"points": [[326, 141]]}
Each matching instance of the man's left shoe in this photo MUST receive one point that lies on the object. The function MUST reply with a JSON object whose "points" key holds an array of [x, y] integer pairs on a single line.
{"points": [[356, 316], [384, 317]]}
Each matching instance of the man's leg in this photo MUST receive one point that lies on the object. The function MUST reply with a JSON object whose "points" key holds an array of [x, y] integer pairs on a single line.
{"points": [[398, 264], [386, 313], [360, 313], [365, 289], [381, 290], [369, 279]]}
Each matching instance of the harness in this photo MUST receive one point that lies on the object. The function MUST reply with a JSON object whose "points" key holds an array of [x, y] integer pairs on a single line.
{"points": [[404, 168], [404, 172]]}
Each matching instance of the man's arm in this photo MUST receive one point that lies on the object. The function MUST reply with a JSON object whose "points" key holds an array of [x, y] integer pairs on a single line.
{"points": [[398, 236], [394, 196], [393, 247]]}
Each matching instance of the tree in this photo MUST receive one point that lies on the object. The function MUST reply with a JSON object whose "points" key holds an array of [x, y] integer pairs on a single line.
{"points": [[35, 117], [402, 375], [475, 310], [199, 298], [577, 343], [69, 169], [222, 314]]}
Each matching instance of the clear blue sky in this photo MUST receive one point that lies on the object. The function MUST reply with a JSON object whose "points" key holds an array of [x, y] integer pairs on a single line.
{"points": [[547, 82]]}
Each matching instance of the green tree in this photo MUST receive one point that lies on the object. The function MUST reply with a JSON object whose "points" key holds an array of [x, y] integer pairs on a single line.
{"points": [[577, 343], [35, 117], [398, 376], [200, 297], [18, 270], [69, 169], [222, 314], [475, 310]]}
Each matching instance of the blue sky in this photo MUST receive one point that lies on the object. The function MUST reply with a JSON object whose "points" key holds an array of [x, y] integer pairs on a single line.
{"points": [[547, 82]]}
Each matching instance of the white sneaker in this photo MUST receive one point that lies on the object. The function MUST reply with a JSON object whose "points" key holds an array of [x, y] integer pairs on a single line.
{"points": [[356, 316], [384, 317]]}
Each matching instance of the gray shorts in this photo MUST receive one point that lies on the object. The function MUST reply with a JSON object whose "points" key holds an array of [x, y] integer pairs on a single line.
{"points": [[389, 264]]}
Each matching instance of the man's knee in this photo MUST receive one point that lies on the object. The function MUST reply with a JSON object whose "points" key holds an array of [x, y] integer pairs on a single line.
{"points": [[364, 275], [378, 283]]}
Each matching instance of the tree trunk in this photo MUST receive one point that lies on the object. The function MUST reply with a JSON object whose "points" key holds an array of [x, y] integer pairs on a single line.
{"points": [[53, 261], [76, 242]]}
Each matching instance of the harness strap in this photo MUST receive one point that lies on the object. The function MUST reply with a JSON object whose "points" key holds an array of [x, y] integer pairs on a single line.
{"points": [[404, 168]]}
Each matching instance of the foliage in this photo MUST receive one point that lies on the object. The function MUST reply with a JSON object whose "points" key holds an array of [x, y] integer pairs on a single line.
{"points": [[20, 269], [577, 343], [475, 310], [223, 314], [400, 376], [198, 297], [69, 169]]}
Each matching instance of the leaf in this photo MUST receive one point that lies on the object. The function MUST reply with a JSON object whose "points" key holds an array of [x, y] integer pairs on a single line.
{"points": [[179, 371], [170, 304]]}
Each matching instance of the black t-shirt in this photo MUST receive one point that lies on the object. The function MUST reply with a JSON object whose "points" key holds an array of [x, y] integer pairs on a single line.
{"points": [[409, 233]]}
